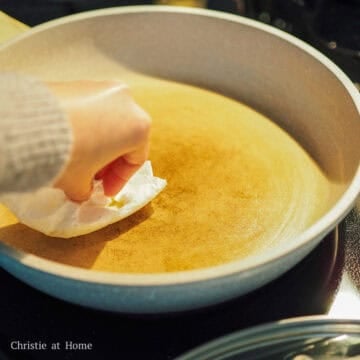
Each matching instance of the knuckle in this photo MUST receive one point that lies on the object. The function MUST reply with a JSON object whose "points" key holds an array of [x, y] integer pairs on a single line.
{"points": [[142, 125]]}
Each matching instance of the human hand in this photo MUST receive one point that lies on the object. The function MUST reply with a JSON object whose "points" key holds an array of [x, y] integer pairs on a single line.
{"points": [[110, 136]]}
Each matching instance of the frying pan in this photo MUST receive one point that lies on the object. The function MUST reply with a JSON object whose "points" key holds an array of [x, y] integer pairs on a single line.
{"points": [[272, 72]]}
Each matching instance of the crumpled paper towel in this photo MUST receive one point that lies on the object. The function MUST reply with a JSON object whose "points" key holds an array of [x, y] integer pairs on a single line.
{"points": [[49, 211]]}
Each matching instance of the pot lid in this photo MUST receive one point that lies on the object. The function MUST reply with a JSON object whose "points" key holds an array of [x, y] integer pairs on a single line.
{"points": [[306, 338]]}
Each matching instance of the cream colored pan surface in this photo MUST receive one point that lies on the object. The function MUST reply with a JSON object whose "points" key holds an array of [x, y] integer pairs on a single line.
{"points": [[255, 132]]}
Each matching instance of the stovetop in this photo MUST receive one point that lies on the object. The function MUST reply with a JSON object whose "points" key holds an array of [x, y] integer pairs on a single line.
{"points": [[325, 282]]}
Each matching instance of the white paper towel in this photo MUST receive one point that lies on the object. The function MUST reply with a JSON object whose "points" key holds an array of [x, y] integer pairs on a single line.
{"points": [[49, 211]]}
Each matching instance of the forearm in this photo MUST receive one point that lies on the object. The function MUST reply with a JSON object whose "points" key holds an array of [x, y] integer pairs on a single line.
{"points": [[35, 135]]}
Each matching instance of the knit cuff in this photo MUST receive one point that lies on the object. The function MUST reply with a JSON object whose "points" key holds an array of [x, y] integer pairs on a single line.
{"points": [[35, 134]]}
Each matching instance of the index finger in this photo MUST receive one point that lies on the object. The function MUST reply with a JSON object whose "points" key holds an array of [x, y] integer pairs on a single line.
{"points": [[118, 173]]}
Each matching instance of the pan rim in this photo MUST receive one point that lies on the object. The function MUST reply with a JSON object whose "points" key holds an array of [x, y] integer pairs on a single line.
{"points": [[319, 229]]}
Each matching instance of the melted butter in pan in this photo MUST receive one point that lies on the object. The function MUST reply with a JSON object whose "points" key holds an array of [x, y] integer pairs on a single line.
{"points": [[237, 185]]}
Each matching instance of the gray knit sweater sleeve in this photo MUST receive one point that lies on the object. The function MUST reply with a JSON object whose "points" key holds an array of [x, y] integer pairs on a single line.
{"points": [[35, 135]]}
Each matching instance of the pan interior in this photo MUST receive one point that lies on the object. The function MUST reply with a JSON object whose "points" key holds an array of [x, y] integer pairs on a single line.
{"points": [[238, 185]]}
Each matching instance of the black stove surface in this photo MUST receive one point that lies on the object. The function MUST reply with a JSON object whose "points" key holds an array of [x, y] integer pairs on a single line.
{"points": [[326, 282]]}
